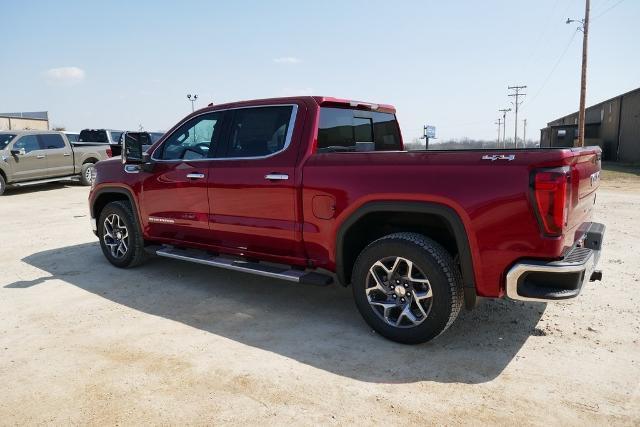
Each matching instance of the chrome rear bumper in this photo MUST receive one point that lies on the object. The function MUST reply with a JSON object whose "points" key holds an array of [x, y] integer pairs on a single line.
{"points": [[534, 280]]}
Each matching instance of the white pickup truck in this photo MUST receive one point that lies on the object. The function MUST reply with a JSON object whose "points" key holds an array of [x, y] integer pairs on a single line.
{"points": [[36, 157]]}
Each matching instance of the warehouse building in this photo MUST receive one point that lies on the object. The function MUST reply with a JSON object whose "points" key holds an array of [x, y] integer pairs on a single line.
{"points": [[36, 120], [614, 125]]}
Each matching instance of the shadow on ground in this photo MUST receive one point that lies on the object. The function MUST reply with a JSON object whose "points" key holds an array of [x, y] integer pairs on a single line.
{"points": [[316, 326], [36, 188]]}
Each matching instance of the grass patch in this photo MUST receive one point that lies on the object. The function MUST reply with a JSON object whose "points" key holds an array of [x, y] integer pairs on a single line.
{"points": [[620, 172]]}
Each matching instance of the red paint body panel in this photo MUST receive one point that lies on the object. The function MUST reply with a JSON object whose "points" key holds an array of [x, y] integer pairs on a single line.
{"points": [[235, 210]]}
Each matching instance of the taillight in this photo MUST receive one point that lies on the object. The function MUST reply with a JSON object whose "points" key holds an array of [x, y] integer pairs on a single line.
{"points": [[109, 152], [552, 194]]}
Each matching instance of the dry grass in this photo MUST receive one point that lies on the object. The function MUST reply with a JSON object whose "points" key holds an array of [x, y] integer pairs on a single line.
{"points": [[620, 173]]}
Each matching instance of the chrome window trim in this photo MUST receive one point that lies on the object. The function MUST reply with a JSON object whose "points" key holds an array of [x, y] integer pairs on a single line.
{"points": [[287, 141]]}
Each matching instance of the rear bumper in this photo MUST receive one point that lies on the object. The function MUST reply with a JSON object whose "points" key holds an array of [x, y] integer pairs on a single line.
{"points": [[535, 280]]}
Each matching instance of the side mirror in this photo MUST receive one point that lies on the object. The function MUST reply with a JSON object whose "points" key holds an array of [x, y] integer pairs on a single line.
{"points": [[20, 152], [132, 152]]}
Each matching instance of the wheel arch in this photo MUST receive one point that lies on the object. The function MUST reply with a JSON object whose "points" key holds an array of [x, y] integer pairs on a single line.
{"points": [[106, 195], [442, 215], [90, 160]]}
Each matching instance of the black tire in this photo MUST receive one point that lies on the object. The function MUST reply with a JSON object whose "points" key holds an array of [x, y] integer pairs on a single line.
{"points": [[3, 185], [86, 174], [433, 263], [134, 254]]}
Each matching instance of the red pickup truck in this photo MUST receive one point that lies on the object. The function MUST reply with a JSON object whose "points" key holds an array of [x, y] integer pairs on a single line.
{"points": [[314, 189]]}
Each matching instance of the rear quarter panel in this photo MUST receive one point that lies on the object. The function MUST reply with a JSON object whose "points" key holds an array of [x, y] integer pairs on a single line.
{"points": [[492, 198]]}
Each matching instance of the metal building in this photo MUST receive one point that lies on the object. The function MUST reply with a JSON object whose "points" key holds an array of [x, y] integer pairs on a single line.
{"points": [[613, 124], [36, 120]]}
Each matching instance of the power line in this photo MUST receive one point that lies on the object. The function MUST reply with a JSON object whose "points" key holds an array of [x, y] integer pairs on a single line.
{"points": [[607, 10], [555, 66]]}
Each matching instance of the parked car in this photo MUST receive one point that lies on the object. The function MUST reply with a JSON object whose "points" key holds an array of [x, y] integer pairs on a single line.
{"points": [[308, 189], [35, 157]]}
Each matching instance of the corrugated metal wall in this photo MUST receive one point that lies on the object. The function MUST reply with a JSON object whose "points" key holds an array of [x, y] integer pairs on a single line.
{"points": [[629, 142]]}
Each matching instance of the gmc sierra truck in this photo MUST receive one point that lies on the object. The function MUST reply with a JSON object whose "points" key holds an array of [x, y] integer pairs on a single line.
{"points": [[36, 157], [316, 189]]}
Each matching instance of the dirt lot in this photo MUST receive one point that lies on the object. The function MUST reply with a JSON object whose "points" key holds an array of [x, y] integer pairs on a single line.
{"points": [[174, 343]]}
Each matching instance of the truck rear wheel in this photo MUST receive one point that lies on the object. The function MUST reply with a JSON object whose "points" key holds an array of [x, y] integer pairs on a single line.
{"points": [[3, 185], [407, 287], [120, 236], [86, 174]]}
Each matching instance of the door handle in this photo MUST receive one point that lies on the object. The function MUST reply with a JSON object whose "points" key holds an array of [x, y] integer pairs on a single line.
{"points": [[276, 176], [67, 154], [40, 156], [195, 175]]}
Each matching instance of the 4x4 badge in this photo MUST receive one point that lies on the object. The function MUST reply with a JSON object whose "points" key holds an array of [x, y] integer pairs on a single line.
{"points": [[494, 157]]}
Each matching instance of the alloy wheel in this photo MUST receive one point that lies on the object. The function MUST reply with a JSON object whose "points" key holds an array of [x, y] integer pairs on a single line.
{"points": [[116, 236], [399, 292], [88, 174]]}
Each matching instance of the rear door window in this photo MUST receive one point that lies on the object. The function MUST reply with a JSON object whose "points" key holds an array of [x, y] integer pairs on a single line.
{"points": [[259, 131], [51, 141], [343, 129]]}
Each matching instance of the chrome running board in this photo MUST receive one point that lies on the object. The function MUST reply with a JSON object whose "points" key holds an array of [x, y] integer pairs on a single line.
{"points": [[276, 272]]}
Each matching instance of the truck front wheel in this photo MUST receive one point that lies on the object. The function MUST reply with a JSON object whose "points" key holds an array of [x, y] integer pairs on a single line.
{"points": [[120, 236], [407, 287]]}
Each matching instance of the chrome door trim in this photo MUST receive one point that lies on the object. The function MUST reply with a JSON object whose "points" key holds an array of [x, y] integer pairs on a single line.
{"points": [[276, 176], [195, 175]]}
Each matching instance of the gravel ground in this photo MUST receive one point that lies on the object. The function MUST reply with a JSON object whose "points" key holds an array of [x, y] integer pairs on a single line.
{"points": [[169, 342]]}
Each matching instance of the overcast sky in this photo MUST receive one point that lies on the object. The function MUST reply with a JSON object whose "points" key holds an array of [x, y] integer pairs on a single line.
{"points": [[118, 64]]}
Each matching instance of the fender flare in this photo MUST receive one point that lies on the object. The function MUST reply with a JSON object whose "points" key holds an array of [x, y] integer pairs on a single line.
{"points": [[115, 190], [451, 218]]}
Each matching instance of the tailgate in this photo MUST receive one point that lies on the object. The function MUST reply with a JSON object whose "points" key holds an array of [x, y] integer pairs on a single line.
{"points": [[585, 180]]}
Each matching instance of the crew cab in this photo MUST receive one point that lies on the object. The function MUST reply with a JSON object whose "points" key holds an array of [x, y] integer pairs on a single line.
{"points": [[316, 189], [36, 157]]}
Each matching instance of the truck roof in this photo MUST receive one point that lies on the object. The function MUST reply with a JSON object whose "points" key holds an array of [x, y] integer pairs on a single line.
{"points": [[320, 100], [29, 131]]}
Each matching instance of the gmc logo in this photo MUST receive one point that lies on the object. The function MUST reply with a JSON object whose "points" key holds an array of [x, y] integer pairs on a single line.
{"points": [[594, 178]]}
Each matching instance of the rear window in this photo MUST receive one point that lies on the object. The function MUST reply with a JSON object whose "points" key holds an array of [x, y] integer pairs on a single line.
{"points": [[355, 130], [90, 135]]}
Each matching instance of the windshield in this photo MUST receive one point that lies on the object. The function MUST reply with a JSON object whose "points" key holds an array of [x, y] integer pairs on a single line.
{"points": [[5, 139]]}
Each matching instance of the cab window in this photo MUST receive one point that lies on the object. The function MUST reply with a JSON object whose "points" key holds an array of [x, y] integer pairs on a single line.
{"points": [[194, 140], [51, 141], [28, 142], [259, 131]]}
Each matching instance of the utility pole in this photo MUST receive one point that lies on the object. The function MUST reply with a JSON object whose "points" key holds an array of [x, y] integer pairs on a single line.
{"points": [[517, 94], [524, 135], [504, 112], [499, 122], [583, 74], [192, 99]]}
